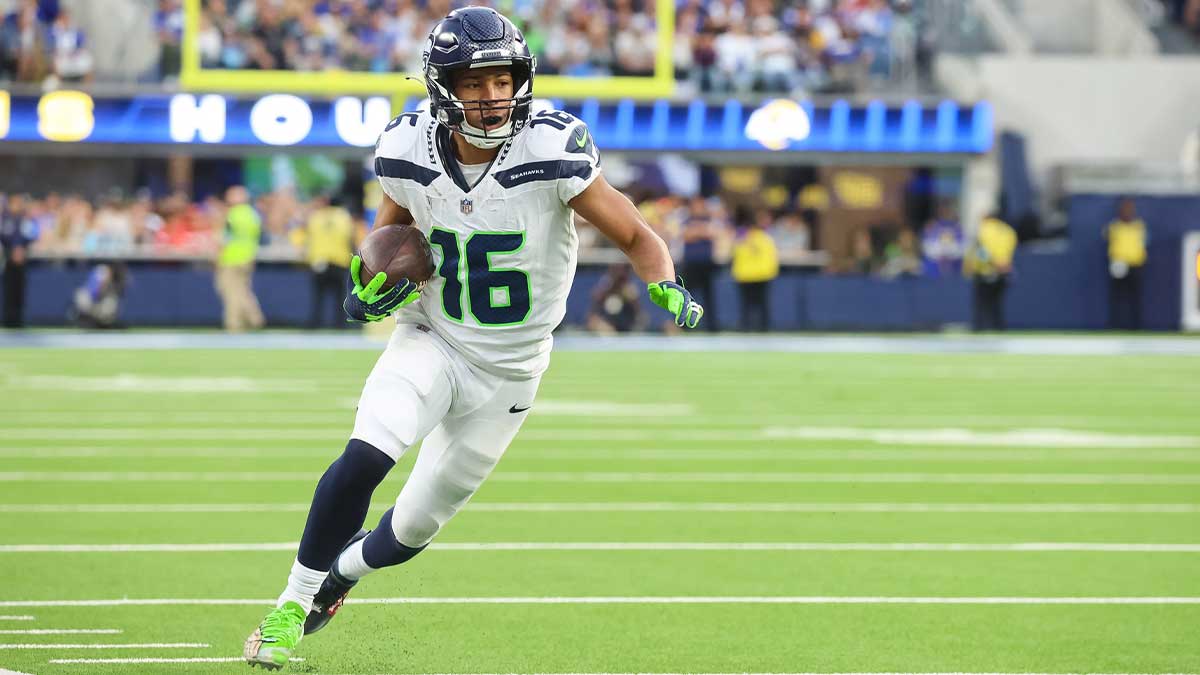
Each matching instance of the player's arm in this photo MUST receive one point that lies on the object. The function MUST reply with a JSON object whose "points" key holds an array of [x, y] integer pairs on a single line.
{"points": [[391, 213], [615, 216], [366, 302]]}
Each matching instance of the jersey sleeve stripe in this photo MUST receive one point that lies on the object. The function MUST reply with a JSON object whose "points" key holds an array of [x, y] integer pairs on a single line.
{"points": [[386, 167], [551, 170]]}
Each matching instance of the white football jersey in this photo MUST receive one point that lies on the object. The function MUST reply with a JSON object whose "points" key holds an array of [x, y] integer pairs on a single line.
{"points": [[505, 249]]}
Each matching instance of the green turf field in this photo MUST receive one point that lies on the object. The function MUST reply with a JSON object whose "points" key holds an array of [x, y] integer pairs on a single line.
{"points": [[659, 513]]}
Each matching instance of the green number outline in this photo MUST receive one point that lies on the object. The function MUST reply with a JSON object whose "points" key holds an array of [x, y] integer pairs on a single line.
{"points": [[523, 273], [463, 277], [458, 275]]}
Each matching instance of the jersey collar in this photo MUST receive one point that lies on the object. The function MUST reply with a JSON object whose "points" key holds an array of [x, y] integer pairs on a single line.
{"points": [[445, 150]]}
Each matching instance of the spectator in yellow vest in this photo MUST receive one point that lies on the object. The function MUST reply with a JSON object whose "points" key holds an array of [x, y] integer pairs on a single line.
{"points": [[988, 262], [755, 264], [235, 263], [329, 238], [1126, 256]]}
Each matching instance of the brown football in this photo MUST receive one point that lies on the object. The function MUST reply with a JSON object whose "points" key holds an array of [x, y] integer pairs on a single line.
{"points": [[400, 251]]}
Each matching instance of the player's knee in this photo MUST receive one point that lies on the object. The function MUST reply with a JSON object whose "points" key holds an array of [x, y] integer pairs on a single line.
{"points": [[414, 528], [361, 466], [382, 548]]}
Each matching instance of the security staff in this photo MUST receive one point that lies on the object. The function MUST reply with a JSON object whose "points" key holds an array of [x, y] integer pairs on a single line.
{"points": [[989, 263], [1126, 256], [755, 265], [329, 238], [235, 263]]}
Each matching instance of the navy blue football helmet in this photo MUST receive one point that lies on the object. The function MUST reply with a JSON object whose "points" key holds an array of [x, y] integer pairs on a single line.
{"points": [[478, 37]]}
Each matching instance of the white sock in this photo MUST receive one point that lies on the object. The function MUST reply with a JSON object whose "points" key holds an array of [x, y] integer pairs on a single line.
{"points": [[350, 564], [303, 584]]}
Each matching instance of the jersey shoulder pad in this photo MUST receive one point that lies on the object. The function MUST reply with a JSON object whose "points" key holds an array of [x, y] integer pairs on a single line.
{"points": [[403, 149], [554, 134], [402, 136]]}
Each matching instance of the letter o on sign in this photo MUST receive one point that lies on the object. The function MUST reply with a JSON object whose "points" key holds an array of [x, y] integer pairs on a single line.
{"points": [[281, 119]]}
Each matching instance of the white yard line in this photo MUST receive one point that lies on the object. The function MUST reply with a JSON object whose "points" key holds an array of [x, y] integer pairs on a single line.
{"points": [[64, 632], [159, 508], [199, 659], [734, 454], [727, 454], [1039, 438], [93, 645], [638, 600], [157, 384], [785, 673], [822, 477], [635, 477], [803, 507], [637, 507], [22, 617], [1019, 547], [1, 673], [1042, 438], [256, 433]]}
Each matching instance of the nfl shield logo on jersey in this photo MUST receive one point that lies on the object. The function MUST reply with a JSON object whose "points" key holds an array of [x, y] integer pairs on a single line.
{"points": [[466, 206]]}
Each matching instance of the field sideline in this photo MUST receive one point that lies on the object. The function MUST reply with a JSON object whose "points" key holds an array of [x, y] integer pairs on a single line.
{"points": [[687, 512]]}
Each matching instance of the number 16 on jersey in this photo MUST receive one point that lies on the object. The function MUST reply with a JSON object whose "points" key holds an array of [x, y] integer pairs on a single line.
{"points": [[495, 295]]}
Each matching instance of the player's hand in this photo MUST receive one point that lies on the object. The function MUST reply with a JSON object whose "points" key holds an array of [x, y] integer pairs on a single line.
{"points": [[673, 297], [366, 303]]}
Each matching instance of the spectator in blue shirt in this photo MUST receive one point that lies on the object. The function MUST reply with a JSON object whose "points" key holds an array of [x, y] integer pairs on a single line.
{"points": [[72, 59], [942, 244]]}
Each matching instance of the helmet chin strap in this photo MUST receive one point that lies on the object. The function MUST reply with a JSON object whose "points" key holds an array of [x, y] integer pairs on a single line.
{"points": [[476, 137]]}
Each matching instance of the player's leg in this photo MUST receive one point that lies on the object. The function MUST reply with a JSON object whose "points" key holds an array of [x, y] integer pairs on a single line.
{"points": [[407, 394], [455, 459]]}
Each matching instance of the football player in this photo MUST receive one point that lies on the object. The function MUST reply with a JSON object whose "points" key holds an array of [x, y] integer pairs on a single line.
{"points": [[494, 186]]}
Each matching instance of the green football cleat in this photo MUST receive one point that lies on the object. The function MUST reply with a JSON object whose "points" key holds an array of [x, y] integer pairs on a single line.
{"points": [[272, 643]]}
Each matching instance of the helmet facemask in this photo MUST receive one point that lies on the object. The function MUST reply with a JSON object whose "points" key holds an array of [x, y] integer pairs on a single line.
{"points": [[451, 111]]}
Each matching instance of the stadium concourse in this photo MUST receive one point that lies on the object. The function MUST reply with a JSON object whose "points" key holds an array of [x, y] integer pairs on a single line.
{"points": [[809, 506]]}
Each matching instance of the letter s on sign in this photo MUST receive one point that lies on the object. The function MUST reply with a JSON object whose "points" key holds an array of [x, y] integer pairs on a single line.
{"points": [[66, 116]]}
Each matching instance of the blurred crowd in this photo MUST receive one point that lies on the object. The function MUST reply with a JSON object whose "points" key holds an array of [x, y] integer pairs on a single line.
{"points": [[706, 235], [703, 233], [720, 46], [570, 37], [795, 46], [119, 225], [41, 42]]}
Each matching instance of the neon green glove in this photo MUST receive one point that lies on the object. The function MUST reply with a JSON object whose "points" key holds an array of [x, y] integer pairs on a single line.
{"points": [[366, 303], [673, 297]]}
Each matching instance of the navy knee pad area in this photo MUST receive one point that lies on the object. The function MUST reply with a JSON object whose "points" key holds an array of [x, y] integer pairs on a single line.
{"points": [[380, 548]]}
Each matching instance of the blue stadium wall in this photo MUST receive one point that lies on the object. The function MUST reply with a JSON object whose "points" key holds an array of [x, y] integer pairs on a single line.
{"points": [[1063, 290]]}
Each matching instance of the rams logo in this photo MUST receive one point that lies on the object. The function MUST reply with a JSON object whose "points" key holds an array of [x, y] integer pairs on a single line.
{"points": [[778, 123]]}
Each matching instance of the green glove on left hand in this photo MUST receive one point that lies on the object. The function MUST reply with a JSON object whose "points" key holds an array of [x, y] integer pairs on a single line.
{"points": [[673, 297]]}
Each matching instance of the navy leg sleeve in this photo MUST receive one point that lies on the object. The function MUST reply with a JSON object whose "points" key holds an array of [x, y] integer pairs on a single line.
{"points": [[340, 503], [380, 548]]}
